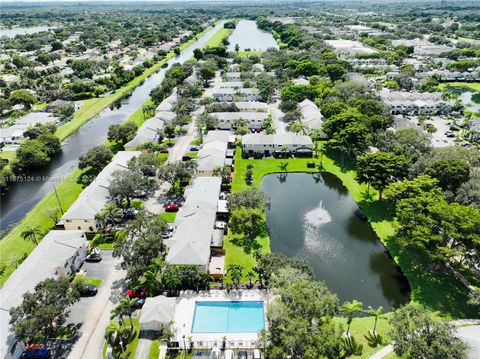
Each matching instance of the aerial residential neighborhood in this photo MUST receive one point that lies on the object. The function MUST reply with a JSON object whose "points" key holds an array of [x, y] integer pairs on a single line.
{"points": [[240, 180]]}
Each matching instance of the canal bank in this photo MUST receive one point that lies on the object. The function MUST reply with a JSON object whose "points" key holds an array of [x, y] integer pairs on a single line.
{"points": [[23, 196], [13, 249]]}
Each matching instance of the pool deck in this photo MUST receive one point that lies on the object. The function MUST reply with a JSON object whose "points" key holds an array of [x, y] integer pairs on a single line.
{"points": [[185, 310]]}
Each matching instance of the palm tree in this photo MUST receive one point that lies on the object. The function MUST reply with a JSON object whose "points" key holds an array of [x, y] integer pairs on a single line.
{"points": [[30, 233], [250, 275], [375, 313], [235, 271], [171, 280], [151, 278], [113, 335], [350, 308], [118, 311], [128, 305], [109, 214]]}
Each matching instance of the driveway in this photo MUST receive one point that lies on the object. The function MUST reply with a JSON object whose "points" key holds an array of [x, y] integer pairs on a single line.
{"points": [[182, 143], [94, 313], [277, 115], [471, 336]]}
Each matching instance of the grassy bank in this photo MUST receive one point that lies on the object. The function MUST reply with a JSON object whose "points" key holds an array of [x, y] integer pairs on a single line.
{"points": [[474, 86], [216, 40], [441, 293], [362, 326], [13, 249], [13, 246]]}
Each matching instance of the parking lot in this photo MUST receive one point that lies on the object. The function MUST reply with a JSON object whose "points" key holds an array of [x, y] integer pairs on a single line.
{"points": [[100, 270]]}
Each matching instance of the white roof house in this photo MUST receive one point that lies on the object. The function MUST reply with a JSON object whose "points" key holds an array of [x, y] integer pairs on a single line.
{"points": [[213, 152], [252, 106], [230, 84], [81, 215], [15, 132], [229, 94], [269, 144], [58, 254], [311, 115], [226, 120], [167, 104], [194, 224], [148, 132], [349, 47], [157, 312]]}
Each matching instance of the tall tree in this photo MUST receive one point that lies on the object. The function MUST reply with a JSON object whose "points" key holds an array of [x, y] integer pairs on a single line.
{"points": [[379, 169], [43, 313], [415, 334]]}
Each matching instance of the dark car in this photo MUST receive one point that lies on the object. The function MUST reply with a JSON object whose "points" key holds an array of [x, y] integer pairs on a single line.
{"points": [[194, 148], [88, 290], [40, 353], [93, 257], [136, 293], [187, 158], [242, 354]]}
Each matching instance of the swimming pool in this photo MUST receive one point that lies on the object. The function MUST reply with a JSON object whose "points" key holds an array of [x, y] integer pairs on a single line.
{"points": [[228, 317]]}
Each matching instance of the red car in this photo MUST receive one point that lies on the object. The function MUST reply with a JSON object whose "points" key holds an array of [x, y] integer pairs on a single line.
{"points": [[136, 293], [171, 208]]}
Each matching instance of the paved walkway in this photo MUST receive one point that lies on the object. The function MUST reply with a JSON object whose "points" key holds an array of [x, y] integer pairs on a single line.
{"points": [[277, 115], [143, 348]]}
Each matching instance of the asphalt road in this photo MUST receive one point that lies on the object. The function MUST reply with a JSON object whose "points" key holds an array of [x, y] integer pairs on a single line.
{"points": [[471, 336], [93, 313]]}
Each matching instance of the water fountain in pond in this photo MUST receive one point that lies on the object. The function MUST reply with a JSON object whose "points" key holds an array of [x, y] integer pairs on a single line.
{"points": [[317, 216], [313, 220]]}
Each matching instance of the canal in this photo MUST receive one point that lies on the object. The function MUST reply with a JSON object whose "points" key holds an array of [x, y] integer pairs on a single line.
{"points": [[248, 36], [314, 219], [23, 196]]}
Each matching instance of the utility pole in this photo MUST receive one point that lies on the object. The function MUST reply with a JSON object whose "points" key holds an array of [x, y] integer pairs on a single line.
{"points": [[58, 199]]}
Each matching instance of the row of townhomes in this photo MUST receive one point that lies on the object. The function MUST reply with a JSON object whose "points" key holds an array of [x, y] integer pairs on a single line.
{"points": [[417, 103]]}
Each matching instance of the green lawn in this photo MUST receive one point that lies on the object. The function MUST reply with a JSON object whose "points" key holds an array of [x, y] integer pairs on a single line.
{"points": [[216, 40], [8, 155], [245, 54], [13, 248], [362, 326], [440, 293], [154, 349], [475, 86], [97, 282], [169, 216]]}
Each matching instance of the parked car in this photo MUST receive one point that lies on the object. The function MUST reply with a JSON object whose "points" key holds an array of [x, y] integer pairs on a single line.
{"points": [[36, 351], [171, 207], [93, 257], [166, 235], [242, 354], [88, 290], [136, 293], [194, 148], [187, 158]]}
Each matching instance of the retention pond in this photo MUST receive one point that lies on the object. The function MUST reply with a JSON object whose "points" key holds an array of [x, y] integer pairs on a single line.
{"points": [[315, 219]]}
